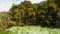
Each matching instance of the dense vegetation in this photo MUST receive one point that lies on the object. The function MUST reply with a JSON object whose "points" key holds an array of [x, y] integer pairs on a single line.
{"points": [[46, 13]]}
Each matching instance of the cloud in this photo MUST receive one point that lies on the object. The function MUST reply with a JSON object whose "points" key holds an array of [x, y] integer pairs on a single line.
{"points": [[36, 1], [6, 5]]}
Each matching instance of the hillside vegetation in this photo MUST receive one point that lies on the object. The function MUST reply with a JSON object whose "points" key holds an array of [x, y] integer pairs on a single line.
{"points": [[46, 13]]}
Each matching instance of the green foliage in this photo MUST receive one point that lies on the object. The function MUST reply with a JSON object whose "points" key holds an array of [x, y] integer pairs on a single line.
{"points": [[12, 23], [36, 14], [26, 13]]}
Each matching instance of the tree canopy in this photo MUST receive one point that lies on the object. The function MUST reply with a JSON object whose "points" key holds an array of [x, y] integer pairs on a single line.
{"points": [[46, 13]]}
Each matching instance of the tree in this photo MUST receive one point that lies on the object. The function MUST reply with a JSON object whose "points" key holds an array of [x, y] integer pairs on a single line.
{"points": [[44, 13]]}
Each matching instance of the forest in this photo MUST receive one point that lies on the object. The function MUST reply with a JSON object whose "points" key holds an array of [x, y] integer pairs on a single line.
{"points": [[46, 13]]}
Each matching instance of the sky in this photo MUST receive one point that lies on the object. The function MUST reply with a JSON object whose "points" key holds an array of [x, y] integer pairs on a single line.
{"points": [[5, 5]]}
